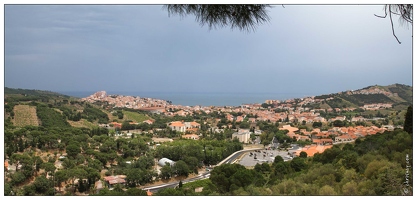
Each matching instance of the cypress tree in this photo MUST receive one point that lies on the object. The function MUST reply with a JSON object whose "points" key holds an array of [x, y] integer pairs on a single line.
{"points": [[408, 123]]}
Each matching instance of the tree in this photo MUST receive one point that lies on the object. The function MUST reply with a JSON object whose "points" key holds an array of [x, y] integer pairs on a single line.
{"points": [[29, 190], [303, 154], [49, 167], [408, 123], [278, 159], [265, 142], [317, 124], [61, 176], [247, 17], [181, 168], [243, 17], [133, 177], [17, 178], [298, 164], [166, 171], [42, 184], [327, 191], [338, 123], [220, 176], [73, 150], [405, 11], [350, 189]]}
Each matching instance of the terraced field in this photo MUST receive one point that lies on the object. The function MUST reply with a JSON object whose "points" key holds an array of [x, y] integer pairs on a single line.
{"points": [[25, 115]]}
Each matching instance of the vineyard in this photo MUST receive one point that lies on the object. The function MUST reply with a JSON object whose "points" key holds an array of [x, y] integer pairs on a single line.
{"points": [[25, 115]]}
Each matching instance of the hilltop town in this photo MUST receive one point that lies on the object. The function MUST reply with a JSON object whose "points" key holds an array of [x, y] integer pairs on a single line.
{"points": [[294, 115], [291, 110]]}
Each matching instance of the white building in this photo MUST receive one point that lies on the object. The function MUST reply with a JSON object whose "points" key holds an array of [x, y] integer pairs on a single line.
{"points": [[243, 137]]}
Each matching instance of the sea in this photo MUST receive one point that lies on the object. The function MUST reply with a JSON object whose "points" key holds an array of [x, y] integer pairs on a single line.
{"points": [[200, 98]]}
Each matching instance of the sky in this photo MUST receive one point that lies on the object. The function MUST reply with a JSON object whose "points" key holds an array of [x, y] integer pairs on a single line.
{"points": [[309, 49]]}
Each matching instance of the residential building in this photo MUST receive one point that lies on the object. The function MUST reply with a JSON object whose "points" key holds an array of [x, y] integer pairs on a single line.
{"points": [[112, 180], [243, 137], [184, 126], [191, 136]]}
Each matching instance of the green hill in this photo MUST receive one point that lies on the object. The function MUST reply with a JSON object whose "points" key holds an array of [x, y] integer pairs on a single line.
{"points": [[396, 94]]}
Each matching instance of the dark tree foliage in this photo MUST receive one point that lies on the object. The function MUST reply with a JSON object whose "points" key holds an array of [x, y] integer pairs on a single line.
{"points": [[50, 118], [229, 176], [73, 149], [303, 154], [278, 159], [317, 124], [42, 184], [70, 114], [243, 17], [298, 164], [91, 114], [170, 192], [408, 123], [338, 123]]}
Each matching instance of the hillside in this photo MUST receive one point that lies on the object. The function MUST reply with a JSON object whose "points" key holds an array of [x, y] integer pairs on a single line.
{"points": [[31, 92], [45, 108], [395, 94]]}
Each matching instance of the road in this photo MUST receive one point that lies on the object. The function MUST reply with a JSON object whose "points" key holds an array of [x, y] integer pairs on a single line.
{"points": [[205, 175]]}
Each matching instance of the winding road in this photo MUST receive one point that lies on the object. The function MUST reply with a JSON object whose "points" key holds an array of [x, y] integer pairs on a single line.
{"points": [[228, 160]]}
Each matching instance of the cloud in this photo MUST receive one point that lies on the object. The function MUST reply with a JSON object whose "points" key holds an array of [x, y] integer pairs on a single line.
{"points": [[133, 48]]}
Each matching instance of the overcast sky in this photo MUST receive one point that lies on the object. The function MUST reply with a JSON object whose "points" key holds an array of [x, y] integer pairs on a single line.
{"points": [[311, 49]]}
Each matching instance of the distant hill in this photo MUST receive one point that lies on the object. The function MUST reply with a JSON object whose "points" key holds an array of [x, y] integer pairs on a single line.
{"points": [[23, 92], [396, 94]]}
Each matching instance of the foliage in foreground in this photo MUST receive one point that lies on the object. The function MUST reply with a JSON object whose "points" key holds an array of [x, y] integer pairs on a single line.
{"points": [[376, 165]]}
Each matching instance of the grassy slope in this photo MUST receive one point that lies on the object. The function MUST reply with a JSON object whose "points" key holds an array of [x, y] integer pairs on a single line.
{"points": [[134, 116], [83, 123]]}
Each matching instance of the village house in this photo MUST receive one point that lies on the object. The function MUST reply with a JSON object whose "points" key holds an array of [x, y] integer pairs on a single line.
{"points": [[181, 126], [181, 113], [191, 136], [112, 180], [324, 141], [343, 138]]}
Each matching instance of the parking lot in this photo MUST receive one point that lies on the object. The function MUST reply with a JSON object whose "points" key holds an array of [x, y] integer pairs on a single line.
{"points": [[249, 159]]}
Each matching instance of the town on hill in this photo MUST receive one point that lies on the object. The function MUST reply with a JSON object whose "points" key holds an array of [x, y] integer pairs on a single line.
{"points": [[123, 145]]}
